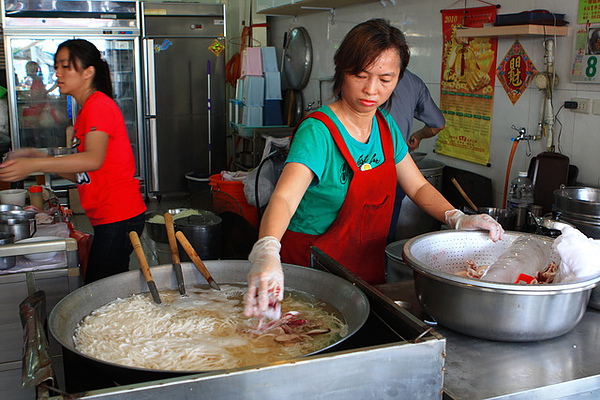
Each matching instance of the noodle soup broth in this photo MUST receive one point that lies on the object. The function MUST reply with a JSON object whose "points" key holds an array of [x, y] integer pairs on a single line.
{"points": [[205, 331]]}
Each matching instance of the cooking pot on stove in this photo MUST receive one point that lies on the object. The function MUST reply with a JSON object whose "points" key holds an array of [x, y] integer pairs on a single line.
{"points": [[204, 233], [86, 373], [157, 230]]}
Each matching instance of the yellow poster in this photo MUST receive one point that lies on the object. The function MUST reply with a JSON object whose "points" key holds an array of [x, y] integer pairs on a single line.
{"points": [[467, 86]]}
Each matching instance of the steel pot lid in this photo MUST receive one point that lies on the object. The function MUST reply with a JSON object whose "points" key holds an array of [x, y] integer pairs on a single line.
{"points": [[198, 220], [298, 58]]}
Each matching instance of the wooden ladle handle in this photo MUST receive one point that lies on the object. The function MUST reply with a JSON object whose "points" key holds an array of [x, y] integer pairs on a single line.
{"points": [[172, 240], [139, 252], [189, 249]]}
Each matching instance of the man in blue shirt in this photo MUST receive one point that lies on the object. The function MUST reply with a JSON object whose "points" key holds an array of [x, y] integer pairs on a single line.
{"points": [[412, 100]]}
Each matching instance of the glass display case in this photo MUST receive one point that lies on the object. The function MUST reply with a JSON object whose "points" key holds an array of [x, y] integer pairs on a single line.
{"points": [[39, 114]]}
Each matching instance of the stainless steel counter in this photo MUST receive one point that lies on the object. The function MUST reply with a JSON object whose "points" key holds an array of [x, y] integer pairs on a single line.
{"points": [[565, 367]]}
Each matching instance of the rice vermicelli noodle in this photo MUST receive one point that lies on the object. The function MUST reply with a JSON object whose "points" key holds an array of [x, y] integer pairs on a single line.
{"points": [[205, 331]]}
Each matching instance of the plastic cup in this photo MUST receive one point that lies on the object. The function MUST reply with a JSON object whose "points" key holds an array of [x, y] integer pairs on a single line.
{"points": [[13, 196]]}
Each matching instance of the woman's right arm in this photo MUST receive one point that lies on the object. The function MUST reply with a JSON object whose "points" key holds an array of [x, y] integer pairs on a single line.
{"points": [[265, 279], [286, 197], [90, 160]]}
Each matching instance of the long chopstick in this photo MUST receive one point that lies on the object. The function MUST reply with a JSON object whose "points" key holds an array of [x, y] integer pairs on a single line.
{"points": [[464, 194]]}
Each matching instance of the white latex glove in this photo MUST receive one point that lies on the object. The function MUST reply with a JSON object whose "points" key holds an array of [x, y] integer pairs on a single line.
{"points": [[456, 219], [579, 256], [265, 280]]}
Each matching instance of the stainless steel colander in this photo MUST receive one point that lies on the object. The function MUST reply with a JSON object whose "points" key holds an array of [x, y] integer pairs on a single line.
{"points": [[489, 310]]}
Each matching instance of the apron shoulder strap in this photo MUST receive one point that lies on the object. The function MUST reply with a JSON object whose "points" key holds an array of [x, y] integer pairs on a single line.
{"points": [[337, 137], [386, 136]]}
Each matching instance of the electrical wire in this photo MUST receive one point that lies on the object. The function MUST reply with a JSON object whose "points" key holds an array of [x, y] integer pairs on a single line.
{"points": [[560, 130], [508, 168]]}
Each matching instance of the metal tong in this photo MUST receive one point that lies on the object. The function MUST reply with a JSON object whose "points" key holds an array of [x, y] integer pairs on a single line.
{"points": [[139, 252], [187, 246], [174, 253]]}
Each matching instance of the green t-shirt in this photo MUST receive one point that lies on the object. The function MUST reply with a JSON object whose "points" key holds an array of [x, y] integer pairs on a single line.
{"points": [[314, 147]]}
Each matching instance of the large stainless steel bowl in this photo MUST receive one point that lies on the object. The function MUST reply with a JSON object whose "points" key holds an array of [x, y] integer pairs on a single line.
{"points": [[488, 310], [65, 316]]}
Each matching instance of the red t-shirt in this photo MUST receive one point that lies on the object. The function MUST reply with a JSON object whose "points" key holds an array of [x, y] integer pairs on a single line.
{"points": [[111, 193]]}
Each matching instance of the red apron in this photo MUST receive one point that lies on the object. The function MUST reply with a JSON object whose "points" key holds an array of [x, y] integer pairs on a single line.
{"points": [[357, 237]]}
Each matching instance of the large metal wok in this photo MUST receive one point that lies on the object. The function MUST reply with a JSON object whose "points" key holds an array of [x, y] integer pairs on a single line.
{"points": [[342, 295]]}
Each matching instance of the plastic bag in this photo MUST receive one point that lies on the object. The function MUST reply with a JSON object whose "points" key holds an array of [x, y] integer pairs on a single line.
{"points": [[526, 255], [84, 243], [37, 363], [266, 184], [579, 256], [270, 168]]}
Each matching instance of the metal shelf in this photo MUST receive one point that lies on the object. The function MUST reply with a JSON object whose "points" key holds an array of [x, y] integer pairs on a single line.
{"points": [[310, 6], [514, 30]]}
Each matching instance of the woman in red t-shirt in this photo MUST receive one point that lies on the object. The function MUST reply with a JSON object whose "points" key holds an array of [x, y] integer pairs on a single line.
{"points": [[103, 165]]}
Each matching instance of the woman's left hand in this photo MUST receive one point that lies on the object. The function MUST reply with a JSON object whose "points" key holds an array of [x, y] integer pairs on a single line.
{"points": [[17, 169], [456, 219]]}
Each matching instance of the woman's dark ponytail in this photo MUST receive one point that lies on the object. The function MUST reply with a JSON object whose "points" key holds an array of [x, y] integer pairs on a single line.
{"points": [[84, 54], [102, 81]]}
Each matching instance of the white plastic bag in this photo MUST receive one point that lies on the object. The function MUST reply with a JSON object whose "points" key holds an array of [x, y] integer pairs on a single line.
{"points": [[580, 256], [266, 184]]}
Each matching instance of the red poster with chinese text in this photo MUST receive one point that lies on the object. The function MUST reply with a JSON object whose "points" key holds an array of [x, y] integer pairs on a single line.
{"points": [[516, 71], [467, 85]]}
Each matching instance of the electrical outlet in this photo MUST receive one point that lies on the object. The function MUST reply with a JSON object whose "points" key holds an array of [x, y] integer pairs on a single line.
{"points": [[583, 105], [596, 106]]}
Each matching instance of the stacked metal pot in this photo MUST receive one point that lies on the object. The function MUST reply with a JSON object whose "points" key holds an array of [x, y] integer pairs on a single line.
{"points": [[15, 224], [579, 206]]}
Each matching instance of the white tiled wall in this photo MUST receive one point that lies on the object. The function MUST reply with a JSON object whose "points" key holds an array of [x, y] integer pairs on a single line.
{"points": [[420, 20]]}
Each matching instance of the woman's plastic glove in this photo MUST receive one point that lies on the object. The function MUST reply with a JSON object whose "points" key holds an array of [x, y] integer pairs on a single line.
{"points": [[456, 219], [265, 280]]}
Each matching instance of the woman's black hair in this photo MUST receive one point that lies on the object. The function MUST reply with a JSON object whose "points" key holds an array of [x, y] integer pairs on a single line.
{"points": [[363, 45], [84, 54]]}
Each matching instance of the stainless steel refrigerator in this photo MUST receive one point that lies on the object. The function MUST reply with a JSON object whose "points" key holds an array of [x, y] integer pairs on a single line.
{"points": [[33, 30], [184, 90]]}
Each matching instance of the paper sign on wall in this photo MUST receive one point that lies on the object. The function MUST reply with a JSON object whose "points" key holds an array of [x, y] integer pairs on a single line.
{"points": [[467, 86], [586, 54]]}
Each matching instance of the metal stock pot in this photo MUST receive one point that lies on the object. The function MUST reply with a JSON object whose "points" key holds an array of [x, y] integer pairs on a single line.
{"points": [[65, 316]]}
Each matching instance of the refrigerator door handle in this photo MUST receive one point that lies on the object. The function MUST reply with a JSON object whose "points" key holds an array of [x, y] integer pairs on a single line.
{"points": [[151, 126], [150, 70]]}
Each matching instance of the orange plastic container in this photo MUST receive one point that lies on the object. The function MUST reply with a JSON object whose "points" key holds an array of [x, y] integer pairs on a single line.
{"points": [[235, 189]]}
